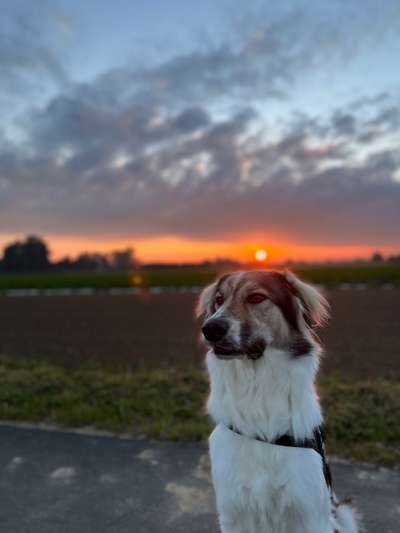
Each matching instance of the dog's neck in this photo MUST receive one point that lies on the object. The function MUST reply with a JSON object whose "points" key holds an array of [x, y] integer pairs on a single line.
{"points": [[270, 397]]}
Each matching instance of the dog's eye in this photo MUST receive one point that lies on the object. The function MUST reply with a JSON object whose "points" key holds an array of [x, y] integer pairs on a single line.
{"points": [[219, 300], [256, 298]]}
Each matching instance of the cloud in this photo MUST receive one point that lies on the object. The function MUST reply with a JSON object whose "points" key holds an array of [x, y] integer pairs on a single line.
{"points": [[372, 118], [192, 119], [139, 174], [388, 119], [267, 52], [344, 123], [180, 148], [29, 59]]}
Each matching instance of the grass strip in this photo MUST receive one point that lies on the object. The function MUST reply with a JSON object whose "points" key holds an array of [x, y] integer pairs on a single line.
{"points": [[363, 418], [371, 275]]}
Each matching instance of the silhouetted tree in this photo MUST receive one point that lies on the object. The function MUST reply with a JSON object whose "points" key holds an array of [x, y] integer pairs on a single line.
{"points": [[394, 259], [123, 260], [92, 262], [31, 255], [377, 257]]}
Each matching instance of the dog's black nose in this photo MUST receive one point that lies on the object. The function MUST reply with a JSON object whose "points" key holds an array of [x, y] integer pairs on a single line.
{"points": [[214, 330]]}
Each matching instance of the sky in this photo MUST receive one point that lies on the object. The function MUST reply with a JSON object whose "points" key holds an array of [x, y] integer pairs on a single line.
{"points": [[195, 130]]}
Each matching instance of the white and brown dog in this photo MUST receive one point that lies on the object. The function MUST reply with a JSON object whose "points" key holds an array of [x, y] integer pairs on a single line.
{"points": [[267, 452]]}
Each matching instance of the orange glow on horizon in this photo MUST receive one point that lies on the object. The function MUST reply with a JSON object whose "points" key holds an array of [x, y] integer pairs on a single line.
{"points": [[176, 250]]}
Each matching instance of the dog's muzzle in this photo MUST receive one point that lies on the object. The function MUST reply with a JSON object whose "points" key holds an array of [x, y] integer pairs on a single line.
{"points": [[215, 332]]}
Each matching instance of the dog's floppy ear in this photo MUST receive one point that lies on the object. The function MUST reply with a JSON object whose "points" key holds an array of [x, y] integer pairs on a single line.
{"points": [[315, 306], [205, 302]]}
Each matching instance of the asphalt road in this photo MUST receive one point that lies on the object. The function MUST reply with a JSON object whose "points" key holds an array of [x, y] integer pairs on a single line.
{"points": [[60, 482]]}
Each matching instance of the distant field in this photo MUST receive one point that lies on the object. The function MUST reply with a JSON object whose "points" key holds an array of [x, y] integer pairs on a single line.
{"points": [[373, 275], [362, 340]]}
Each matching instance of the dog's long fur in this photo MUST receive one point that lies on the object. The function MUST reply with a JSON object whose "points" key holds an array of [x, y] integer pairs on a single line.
{"points": [[262, 487]]}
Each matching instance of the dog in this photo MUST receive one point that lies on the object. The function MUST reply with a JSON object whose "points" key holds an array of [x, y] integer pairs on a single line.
{"points": [[268, 462]]}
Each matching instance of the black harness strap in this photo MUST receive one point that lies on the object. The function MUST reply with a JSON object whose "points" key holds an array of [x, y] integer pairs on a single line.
{"points": [[317, 443]]}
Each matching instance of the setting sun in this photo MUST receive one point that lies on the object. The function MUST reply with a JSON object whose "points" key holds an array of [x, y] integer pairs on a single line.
{"points": [[261, 255]]}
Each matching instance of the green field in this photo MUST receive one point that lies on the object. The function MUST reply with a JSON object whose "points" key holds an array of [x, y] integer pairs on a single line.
{"points": [[363, 417], [373, 275]]}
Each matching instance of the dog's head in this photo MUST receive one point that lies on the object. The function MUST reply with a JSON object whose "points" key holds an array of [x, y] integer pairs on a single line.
{"points": [[247, 312]]}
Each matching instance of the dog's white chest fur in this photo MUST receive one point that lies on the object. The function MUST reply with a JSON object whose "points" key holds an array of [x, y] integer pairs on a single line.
{"points": [[262, 487]]}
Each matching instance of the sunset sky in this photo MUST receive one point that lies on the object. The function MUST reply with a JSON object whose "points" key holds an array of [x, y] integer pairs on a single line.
{"points": [[192, 130]]}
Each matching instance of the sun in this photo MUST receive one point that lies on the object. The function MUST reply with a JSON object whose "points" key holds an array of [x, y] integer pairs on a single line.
{"points": [[261, 255]]}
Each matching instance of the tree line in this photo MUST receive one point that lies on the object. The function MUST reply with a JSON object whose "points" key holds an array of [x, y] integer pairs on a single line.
{"points": [[33, 255]]}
